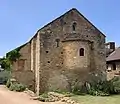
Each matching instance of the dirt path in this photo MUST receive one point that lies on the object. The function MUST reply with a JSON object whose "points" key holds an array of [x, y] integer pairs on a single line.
{"points": [[10, 97]]}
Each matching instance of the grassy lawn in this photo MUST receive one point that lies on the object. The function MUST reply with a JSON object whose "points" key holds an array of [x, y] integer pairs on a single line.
{"points": [[87, 99]]}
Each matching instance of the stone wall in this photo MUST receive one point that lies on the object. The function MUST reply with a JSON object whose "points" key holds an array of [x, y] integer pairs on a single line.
{"points": [[112, 73], [53, 53], [23, 63], [71, 54], [21, 69], [60, 52], [25, 77]]}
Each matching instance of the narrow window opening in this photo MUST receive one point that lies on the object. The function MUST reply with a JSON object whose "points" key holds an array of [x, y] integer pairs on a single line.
{"points": [[57, 42], [74, 26], [114, 66], [81, 52]]}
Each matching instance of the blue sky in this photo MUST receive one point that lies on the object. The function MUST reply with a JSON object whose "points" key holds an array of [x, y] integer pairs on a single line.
{"points": [[20, 19]]}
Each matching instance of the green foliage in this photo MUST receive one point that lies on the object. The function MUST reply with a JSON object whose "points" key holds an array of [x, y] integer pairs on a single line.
{"points": [[17, 87], [80, 89], [100, 88], [94, 92], [5, 63], [105, 87], [9, 83], [116, 85], [13, 55], [43, 97]]}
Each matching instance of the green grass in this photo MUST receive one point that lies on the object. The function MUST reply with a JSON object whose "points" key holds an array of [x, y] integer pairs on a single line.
{"points": [[87, 99]]}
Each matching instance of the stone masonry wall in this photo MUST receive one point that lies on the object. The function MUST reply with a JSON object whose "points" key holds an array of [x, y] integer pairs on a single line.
{"points": [[55, 37], [52, 56], [22, 68], [112, 73], [25, 60]]}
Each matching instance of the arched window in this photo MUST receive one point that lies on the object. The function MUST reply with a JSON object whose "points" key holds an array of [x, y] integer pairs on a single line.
{"points": [[81, 52], [74, 26], [57, 42]]}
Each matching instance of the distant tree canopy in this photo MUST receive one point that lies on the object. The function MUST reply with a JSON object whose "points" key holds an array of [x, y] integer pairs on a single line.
{"points": [[13, 55], [6, 62]]}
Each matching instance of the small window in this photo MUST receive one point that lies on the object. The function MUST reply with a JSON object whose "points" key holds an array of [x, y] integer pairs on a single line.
{"points": [[81, 52], [114, 66], [57, 42], [74, 26]]}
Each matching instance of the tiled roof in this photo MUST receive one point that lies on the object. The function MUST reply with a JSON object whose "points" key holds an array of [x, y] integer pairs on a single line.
{"points": [[114, 55]]}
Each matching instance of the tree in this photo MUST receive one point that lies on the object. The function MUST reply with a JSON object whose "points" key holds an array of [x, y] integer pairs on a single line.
{"points": [[13, 55], [6, 62]]}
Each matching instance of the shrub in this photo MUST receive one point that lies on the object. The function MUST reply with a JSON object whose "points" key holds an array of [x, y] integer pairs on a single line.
{"points": [[17, 87], [44, 97], [79, 90], [8, 84], [116, 85], [100, 88], [106, 87], [94, 92], [12, 87]]}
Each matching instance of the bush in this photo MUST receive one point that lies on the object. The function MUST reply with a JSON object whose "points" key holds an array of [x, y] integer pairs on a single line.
{"points": [[100, 88], [8, 84], [106, 87], [116, 85], [79, 90], [94, 92], [44, 97], [17, 87]]}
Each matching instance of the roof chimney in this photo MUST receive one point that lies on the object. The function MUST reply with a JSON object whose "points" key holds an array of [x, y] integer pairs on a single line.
{"points": [[110, 47]]}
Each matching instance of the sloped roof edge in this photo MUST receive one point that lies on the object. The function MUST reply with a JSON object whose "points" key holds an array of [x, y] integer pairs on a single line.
{"points": [[114, 56], [73, 9]]}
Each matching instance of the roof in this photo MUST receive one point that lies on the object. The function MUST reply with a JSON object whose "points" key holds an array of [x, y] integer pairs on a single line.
{"points": [[18, 48], [73, 9], [114, 56]]}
